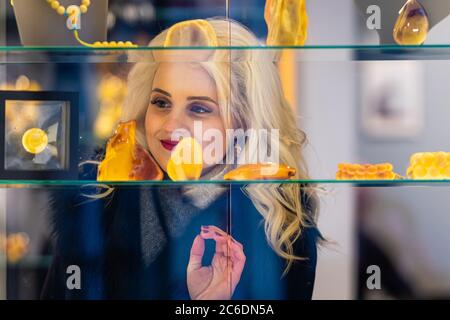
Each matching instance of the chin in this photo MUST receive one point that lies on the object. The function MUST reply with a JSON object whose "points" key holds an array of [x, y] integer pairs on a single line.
{"points": [[161, 161]]}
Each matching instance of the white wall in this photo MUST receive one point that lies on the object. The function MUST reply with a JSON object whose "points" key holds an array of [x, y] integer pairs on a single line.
{"points": [[326, 95]]}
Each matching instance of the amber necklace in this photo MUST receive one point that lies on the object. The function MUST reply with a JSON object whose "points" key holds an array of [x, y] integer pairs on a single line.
{"points": [[61, 10], [74, 23]]}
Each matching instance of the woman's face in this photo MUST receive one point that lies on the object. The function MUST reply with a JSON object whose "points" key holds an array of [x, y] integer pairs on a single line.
{"points": [[182, 95]]}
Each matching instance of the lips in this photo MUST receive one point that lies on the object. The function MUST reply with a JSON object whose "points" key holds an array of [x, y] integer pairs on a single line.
{"points": [[169, 144]]}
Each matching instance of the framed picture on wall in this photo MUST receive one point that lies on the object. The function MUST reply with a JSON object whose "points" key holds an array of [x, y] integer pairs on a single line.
{"points": [[39, 135], [392, 99]]}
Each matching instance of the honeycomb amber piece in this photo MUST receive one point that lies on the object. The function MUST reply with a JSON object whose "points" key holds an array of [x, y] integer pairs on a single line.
{"points": [[446, 171], [186, 161], [412, 24], [349, 171], [265, 171], [125, 160], [429, 165], [287, 22], [191, 33]]}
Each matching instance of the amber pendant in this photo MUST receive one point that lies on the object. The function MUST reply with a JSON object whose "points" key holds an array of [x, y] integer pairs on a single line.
{"points": [[287, 22], [125, 159], [186, 161], [412, 25], [261, 171]]}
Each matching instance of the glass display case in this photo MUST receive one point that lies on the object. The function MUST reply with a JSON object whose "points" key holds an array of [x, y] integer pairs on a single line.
{"points": [[353, 96]]}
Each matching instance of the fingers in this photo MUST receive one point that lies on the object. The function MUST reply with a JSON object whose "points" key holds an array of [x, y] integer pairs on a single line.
{"points": [[197, 251], [227, 246], [213, 233]]}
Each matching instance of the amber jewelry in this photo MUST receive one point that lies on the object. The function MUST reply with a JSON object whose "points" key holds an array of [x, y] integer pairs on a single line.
{"points": [[74, 24], [261, 171], [61, 10], [69, 11], [287, 22], [125, 159], [186, 160], [412, 24], [429, 166], [354, 171]]}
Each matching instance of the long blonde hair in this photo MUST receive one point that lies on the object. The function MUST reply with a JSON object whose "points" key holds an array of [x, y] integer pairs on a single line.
{"points": [[250, 96]]}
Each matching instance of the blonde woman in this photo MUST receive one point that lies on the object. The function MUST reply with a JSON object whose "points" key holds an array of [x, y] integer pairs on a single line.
{"points": [[207, 241]]}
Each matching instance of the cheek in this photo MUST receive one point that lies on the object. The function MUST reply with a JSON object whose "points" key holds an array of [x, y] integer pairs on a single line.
{"points": [[151, 126], [217, 125]]}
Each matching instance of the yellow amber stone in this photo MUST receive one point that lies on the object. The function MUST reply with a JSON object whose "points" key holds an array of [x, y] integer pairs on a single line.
{"points": [[34, 140], [191, 33], [261, 171], [287, 22], [118, 161], [186, 161], [412, 25], [125, 160], [16, 246]]}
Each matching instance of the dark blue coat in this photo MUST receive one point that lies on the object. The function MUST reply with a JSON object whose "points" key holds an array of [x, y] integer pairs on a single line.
{"points": [[104, 238]]}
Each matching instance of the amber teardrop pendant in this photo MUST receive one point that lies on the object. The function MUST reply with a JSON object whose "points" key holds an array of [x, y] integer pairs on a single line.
{"points": [[412, 25]]}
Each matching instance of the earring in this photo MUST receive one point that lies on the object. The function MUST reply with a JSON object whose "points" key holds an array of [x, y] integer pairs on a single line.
{"points": [[412, 24]]}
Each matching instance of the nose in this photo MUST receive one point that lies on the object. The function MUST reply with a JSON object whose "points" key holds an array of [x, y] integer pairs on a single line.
{"points": [[175, 122]]}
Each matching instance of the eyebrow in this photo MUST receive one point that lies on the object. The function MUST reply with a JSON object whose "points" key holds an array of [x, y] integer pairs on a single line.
{"points": [[188, 98], [162, 91], [203, 98]]}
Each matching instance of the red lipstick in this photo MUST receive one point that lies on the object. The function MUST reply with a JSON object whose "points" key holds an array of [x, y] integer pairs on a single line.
{"points": [[169, 144]]}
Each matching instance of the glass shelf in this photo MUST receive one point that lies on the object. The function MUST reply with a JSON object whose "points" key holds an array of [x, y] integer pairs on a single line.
{"points": [[19, 54], [167, 183], [29, 262]]}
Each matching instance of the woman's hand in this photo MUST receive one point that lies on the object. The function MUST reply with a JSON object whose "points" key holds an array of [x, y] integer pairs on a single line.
{"points": [[219, 280]]}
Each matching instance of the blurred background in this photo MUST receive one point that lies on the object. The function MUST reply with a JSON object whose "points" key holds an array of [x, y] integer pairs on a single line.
{"points": [[355, 106]]}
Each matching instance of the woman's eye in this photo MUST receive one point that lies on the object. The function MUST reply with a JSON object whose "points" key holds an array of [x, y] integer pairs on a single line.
{"points": [[160, 103], [199, 109]]}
